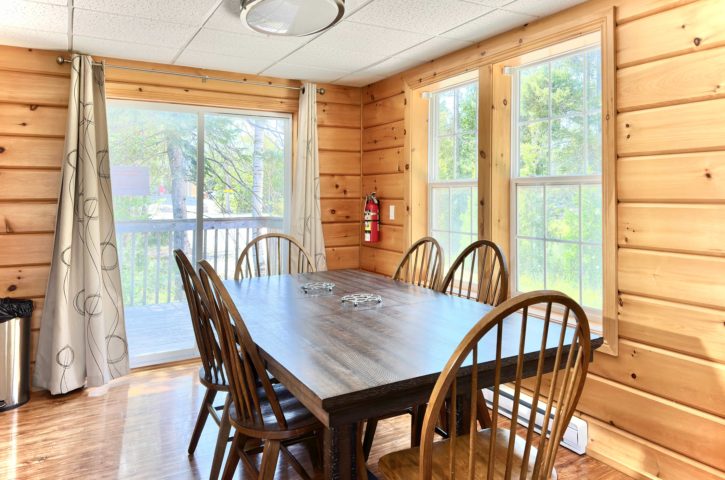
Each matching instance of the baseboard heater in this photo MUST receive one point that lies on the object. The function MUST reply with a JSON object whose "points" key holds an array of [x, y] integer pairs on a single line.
{"points": [[575, 437]]}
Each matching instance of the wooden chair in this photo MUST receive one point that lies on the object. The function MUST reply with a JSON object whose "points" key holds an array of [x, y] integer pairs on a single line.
{"points": [[489, 285], [471, 453], [211, 373], [273, 254], [479, 273], [422, 264], [261, 410]]}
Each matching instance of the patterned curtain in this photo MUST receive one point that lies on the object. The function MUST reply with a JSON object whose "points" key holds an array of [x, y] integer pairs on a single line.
{"points": [[82, 333], [306, 222]]}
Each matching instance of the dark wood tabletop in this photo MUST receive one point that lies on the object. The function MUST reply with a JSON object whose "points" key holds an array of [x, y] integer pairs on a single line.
{"points": [[346, 363]]}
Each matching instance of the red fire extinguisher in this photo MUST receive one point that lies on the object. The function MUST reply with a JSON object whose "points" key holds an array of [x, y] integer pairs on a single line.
{"points": [[372, 218]]}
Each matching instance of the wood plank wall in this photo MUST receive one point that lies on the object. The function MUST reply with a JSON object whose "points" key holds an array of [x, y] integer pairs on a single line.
{"points": [[339, 120], [658, 409], [33, 109], [33, 105], [384, 171]]}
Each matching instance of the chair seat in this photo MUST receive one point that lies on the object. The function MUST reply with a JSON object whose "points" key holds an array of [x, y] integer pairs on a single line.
{"points": [[299, 419], [404, 464], [216, 382]]}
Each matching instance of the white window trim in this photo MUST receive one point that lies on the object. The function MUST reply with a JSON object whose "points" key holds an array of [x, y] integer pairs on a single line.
{"points": [[544, 181]]}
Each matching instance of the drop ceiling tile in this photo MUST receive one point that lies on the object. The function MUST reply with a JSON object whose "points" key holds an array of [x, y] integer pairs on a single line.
{"points": [[114, 48], [53, 2], [23, 37], [430, 17], [239, 45], [227, 63], [434, 48], [358, 79], [141, 30], [393, 65], [188, 12], [35, 16], [303, 72], [496, 22], [491, 3], [358, 37], [541, 8], [338, 57]]}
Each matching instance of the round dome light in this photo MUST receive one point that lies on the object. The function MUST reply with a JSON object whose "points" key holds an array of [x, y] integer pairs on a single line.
{"points": [[295, 18]]}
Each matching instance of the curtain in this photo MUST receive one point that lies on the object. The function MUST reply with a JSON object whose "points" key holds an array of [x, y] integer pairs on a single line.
{"points": [[306, 221], [82, 333]]}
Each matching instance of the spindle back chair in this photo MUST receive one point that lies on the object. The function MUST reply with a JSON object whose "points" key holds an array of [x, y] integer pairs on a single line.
{"points": [[479, 273], [211, 374], [257, 402], [273, 254], [497, 452], [422, 264]]}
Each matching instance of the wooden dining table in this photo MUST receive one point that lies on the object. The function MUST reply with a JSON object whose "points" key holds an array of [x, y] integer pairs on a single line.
{"points": [[347, 364]]}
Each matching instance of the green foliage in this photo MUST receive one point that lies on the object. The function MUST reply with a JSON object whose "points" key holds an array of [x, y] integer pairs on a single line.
{"points": [[559, 134], [166, 144]]}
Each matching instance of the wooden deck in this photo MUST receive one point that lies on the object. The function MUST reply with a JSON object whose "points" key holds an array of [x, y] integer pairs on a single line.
{"points": [[138, 427], [155, 331]]}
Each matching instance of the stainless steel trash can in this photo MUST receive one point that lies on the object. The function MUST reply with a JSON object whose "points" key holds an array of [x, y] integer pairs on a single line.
{"points": [[14, 352]]}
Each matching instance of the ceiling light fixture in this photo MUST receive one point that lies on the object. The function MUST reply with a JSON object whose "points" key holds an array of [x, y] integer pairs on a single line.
{"points": [[294, 18]]}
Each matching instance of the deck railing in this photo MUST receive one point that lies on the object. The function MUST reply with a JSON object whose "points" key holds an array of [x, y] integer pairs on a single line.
{"points": [[145, 249]]}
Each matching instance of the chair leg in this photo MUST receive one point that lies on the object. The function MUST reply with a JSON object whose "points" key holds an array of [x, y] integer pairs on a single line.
{"points": [[270, 455], [201, 419], [484, 418], [367, 444], [233, 457], [221, 441]]}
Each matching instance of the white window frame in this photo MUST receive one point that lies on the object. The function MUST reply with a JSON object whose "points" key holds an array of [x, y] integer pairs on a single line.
{"points": [[434, 183], [547, 181]]}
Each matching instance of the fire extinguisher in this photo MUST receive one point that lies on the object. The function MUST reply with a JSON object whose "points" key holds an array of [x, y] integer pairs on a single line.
{"points": [[372, 218]]}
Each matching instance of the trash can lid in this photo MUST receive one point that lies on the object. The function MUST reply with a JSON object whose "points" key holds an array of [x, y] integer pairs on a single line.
{"points": [[13, 307]]}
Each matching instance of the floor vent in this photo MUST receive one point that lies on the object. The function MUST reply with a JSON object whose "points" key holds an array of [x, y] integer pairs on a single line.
{"points": [[575, 437]]}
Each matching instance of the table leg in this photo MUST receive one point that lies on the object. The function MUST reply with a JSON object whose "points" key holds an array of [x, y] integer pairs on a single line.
{"points": [[343, 453]]}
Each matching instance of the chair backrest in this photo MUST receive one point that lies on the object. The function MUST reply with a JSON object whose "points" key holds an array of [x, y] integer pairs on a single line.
{"points": [[245, 368], [568, 341], [422, 264], [479, 272], [205, 332], [273, 254]]}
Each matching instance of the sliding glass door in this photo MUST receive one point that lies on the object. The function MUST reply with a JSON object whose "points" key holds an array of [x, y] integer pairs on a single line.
{"points": [[203, 181]]}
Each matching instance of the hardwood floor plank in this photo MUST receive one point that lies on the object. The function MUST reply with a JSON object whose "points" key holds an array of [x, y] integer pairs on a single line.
{"points": [[139, 427]]}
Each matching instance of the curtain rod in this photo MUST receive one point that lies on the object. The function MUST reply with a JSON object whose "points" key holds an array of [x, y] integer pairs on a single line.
{"points": [[60, 60]]}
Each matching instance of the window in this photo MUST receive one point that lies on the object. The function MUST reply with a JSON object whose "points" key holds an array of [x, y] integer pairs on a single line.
{"points": [[203, 181], [556, 182], [453, 168]]}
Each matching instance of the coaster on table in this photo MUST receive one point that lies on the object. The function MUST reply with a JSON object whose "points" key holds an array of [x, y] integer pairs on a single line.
{"points": [[317, 287], [356, 299]]}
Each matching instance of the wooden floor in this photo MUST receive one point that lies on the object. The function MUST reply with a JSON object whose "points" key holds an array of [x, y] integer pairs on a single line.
{"points": [[139, 426]]}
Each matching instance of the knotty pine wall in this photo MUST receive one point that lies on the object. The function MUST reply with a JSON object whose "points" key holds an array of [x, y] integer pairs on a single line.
{"points": [[658, 409], [33, 110]]}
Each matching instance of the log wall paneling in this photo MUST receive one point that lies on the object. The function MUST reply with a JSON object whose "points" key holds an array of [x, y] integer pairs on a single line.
{"points": [[339, 133], [34, 94], [683, 178], [46, 152], [385, 171], [692, 228], [688, 329], [655, 410], [339, 163], [689, 28], [379, 260]]}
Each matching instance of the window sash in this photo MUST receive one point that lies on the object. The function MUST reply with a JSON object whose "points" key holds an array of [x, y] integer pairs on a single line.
{"points": [[548, 180]]}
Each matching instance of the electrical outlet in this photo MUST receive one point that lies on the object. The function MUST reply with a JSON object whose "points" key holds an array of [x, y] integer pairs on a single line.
{"points": [[392, 212]]}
